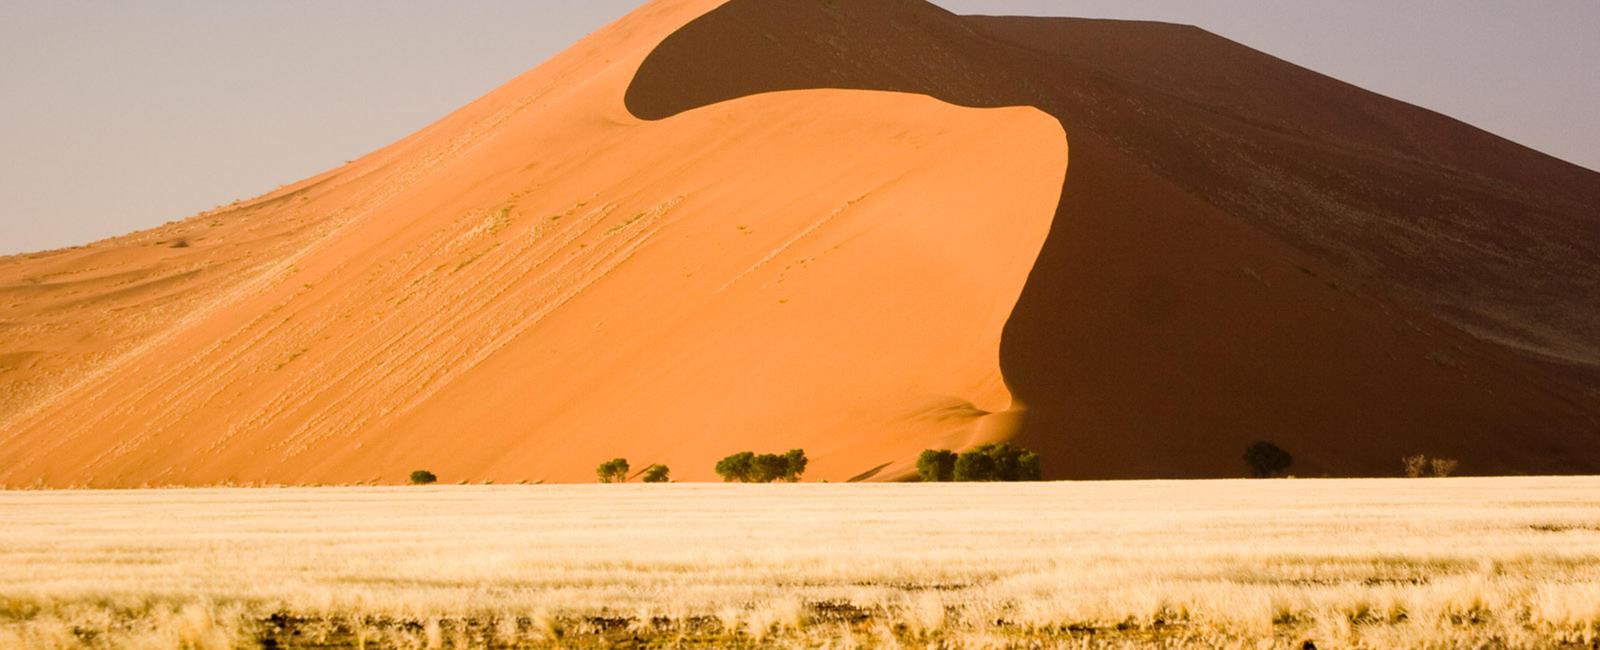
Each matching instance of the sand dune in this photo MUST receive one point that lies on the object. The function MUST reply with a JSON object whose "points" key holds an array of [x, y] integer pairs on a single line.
{"points": [[716, 226], [1243, 249], [543, 281]]}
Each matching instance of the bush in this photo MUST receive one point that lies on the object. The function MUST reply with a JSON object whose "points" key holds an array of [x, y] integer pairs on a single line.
{"points": [[613, 471], [1420, 466], [937, 466], [657, 474], [1416, 466], [423, 477], [1267, 460], [738, 468], [1030, 467], [747, 467], [770, 467], [797, 464], [974, 466], [998, 462]]}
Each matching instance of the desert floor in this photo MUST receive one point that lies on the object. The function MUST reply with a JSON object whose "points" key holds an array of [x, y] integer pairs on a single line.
{"points": [[1511, 562]]}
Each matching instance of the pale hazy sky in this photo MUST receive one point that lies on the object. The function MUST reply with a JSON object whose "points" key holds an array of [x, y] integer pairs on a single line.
{"points": [[117, 115]]}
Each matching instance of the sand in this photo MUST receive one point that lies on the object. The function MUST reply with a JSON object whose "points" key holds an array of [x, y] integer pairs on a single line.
{"points": [[543, 281], [747, 225]]}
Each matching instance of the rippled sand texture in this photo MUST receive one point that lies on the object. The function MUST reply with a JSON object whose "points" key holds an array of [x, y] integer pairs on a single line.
{"points": [[849, 227]]}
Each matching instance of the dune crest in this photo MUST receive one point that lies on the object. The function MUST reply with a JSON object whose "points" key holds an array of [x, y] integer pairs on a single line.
{"points": [[1244, 249], [542, 281], [728, 225]]}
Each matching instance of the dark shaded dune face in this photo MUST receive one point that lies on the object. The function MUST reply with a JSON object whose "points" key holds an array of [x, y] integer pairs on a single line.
{"points": [[1481, 231], [1243, 249]]}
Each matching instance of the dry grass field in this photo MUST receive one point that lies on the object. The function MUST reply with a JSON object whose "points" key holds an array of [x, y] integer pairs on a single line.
{"points": [[1255, 564]]}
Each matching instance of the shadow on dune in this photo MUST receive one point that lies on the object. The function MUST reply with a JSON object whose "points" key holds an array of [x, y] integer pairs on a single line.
{"points": [[1228, 261]]}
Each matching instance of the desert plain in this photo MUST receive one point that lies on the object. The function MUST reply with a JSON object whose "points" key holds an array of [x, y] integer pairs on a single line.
{"points": [[1440, 563]]}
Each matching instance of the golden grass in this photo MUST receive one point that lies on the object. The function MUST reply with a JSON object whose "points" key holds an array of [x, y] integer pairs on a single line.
{"points": [[1365, 563]]}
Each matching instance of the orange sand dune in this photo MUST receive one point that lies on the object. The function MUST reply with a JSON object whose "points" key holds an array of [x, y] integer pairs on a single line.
{"points": [[543, 281], [725, 225], [1243, 249]]}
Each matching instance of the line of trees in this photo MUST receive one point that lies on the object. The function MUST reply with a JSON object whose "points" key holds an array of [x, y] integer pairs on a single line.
{"points": [[747, 467], [992, 462], [743, 467], [1267, 460]]}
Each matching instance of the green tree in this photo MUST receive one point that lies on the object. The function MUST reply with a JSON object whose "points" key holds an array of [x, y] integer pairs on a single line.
{"points": [[1014, 463], [1030, 467], [1267, 460], [937, 466], [770, 467], [797, 464], [738, 467], [423, 477], [975, 465], [613, 471], [992, 462], [657, 474]]}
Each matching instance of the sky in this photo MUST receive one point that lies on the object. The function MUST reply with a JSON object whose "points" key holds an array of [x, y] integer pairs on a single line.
{"points": [[117, 116]]}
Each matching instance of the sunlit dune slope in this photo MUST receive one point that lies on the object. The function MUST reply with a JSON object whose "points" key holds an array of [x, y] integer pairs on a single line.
{"points": [[543, 281], [1244, 249]]}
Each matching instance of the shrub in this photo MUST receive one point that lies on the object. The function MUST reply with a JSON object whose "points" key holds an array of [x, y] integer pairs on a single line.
{"points": [[613, 471], [739, 467], [1266, 459], [770, 467], [747, 467], [423, 477], [797, 464], [1419, 466], [1030, 467], [657, 474], [1416, 466], [937, 466], [975, 466], [997, 462]]}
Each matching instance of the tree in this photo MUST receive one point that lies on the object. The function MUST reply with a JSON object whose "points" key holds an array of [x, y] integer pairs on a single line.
{"points": [[1419, 466], [770, 467], [739, 467], [423, 477], [1416, 465], [1266, 459], [797, 464], [998, 462], [657, 474], [1007, 461], [975, 465], [613, 471], [1030, 467], [937, 466], [747, 467]]}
